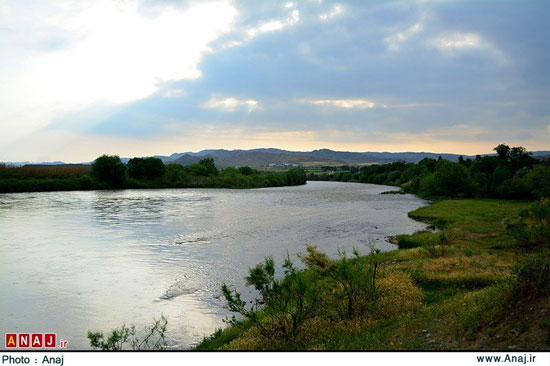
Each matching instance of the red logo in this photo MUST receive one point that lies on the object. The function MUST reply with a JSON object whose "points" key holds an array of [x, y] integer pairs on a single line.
{"points": [[11, 340], [49, 340], [24, 340], [37, 340], [34, 340]]}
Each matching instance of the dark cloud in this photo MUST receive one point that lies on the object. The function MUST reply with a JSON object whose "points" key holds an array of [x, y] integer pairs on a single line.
{"points": [[501, 83]]}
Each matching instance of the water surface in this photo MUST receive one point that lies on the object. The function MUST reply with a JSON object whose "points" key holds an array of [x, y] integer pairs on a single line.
{"points": [[77, 261]]}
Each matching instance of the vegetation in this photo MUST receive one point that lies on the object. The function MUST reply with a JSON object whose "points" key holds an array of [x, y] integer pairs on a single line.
{"points": [[109, 172], [511, 174], [153, 338], [469, 285]]}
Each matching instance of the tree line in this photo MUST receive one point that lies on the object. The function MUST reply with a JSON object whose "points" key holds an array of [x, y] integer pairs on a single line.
{"points": [[512, 173], [109, 172]]}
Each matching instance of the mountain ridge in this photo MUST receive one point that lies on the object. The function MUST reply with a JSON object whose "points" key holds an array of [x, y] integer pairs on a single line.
{"points": [[260, 157]]}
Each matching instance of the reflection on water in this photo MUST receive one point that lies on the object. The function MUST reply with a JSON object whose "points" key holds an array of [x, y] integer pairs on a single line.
{"points": [[77, 261]]}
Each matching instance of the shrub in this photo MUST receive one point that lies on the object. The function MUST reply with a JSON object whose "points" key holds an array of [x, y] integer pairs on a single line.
{"points": [[198, 170], [109, 169], [126, 337], [450, 179], [282, 305], [436, 250], [175, 174], [405, 242], [146, 168], [533, 273], [397, 295], [208, 163], [539, 181], [246, 170], [533, 227], [355, 278]]}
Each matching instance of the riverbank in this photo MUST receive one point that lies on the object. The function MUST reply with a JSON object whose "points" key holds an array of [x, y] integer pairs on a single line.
{"points": [[80, 178], [451, 289]]}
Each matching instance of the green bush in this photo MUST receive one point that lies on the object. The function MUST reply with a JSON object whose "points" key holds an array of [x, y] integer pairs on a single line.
{"points": [[109, 169], [126, 338], [405, 242], [354, 280], [533, 227], [437, 250], [282, 305], [146, 168], [539, 181], [533, 273], [246, 170]]}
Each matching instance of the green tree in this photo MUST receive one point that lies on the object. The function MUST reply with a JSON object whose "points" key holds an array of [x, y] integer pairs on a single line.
{"points": [[503, 151], [451, 178], [533, 227], [146, 168], [109, 169], [208, 163]]}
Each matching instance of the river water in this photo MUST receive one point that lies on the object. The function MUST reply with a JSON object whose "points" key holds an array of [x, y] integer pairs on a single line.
{"points": [[77, 261]]}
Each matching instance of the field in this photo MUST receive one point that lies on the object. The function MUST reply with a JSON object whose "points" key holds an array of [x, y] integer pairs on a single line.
{"points": [[452, 289]]}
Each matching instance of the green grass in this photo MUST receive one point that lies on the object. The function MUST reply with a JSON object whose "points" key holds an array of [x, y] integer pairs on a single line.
{"points": [[465, 290]]}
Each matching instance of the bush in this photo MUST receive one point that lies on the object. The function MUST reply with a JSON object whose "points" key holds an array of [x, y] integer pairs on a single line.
{"points": [[539, 181], [533, 227], [282, 305], [175, 174], [397, 295], [246, 170], [450, 179], [109, 169], [441, 249], [126, 337], [208, 163], [354, 279], [533, 273], [146, 168], [405, 242]]}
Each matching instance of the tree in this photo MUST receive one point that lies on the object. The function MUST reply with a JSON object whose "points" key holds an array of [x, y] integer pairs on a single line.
{"points": [[503, 151], [451, 178], [146, 168], [208, 163], [246, 170], [109, 169]]}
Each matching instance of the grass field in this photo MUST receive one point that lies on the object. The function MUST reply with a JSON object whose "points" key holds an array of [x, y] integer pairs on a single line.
{"points": [[454, 290]]}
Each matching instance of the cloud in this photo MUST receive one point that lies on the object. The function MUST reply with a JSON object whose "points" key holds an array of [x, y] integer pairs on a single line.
{"points": [[374, 74], [395, 40], [173, 93], [334, 12], [342, 103], [456, 42], [231, 104], [114, 52]]}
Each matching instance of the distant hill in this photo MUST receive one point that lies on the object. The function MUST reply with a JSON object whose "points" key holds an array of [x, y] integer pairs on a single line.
{"points": [[277, 157]]}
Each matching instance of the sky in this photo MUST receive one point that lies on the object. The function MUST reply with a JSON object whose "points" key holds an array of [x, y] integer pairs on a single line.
{"points": [[143, 77]]}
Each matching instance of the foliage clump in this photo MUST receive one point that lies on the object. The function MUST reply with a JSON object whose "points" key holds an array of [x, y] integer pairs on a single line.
{"points": [[146, 168], [109, 169], [123, 338], [533, 226], [512, 173]]}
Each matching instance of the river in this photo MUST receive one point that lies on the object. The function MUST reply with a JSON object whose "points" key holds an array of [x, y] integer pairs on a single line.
{"points": [[77, 261]]}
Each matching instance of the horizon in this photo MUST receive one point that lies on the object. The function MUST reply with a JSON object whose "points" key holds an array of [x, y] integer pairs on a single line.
{"points": [[147, 77], [252, 149]]}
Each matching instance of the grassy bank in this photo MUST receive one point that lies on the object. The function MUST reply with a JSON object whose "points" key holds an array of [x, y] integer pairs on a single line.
{"points": [[458, 287]]}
